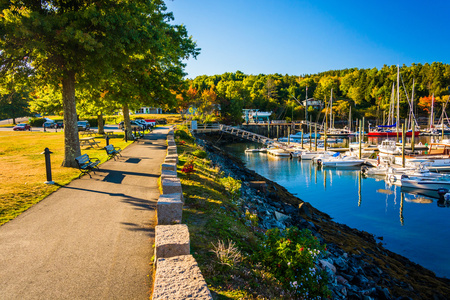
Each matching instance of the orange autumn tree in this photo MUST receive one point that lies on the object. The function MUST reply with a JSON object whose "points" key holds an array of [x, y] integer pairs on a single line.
{"points": [[187, 99], [425, 103]]}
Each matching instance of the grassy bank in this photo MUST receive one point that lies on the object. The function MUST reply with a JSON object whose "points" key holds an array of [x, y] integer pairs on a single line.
{"points": [[22, 168], [232, 252]]}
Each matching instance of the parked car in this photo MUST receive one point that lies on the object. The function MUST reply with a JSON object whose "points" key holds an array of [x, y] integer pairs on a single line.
{"points": [[142, 123], [133, 125], [152, 122], [83, 125], [49, 124], [59, 124], [22, 127]]}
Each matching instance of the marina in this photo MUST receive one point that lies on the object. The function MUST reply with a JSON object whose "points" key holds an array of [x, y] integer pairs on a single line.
{"points": [[410, 221]]}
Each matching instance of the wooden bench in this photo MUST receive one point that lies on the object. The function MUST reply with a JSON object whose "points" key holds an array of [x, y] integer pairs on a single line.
{"points": [[112, 151], [86, 164]]}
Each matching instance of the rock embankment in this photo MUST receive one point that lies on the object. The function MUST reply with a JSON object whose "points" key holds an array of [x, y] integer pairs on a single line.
{"points": [[358, 266]]}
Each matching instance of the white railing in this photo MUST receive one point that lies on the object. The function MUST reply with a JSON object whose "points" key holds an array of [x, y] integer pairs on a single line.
{"points": [[209, 127]]}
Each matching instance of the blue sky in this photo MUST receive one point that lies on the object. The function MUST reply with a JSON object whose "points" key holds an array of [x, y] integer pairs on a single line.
{"points": [[306, 37]]}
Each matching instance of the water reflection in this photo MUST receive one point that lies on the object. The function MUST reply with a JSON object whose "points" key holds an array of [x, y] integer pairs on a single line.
{"points": [[359, 189], [402, 199], [406, 219]]}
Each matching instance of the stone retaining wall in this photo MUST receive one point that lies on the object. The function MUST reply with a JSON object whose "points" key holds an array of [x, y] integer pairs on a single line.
{"points": [[177, 275]]}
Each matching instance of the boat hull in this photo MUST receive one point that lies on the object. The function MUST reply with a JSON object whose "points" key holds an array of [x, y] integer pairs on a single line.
{"points": [[390, 134], [425, 184], [342, 164]]}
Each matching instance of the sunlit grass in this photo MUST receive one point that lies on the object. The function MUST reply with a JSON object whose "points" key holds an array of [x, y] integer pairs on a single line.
{"points": [[22, 168], [212, 217]]}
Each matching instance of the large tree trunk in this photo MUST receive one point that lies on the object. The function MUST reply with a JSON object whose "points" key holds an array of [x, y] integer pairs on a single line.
{"points": [[71, 140], [126, 121], [101, 127]]}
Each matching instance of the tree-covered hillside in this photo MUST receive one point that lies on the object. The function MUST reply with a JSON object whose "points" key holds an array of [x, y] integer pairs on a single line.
{"points": [[367, 91]]}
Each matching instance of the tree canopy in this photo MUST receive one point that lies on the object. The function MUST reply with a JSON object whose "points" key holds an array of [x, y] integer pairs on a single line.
{"points": [[368, 91], [101, 43]]}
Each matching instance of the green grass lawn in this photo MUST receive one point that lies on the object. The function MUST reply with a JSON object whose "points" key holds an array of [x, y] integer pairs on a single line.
{"points": [[22, 168], [213, 216]]}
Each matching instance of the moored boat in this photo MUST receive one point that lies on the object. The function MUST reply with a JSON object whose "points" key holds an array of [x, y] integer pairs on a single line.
{"points": [[390, 133], [279, 152], [426, 183], [255, 150], [346, 161], [308, 155]]}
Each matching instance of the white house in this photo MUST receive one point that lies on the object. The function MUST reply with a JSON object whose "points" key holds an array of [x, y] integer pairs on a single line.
{"points": [[149, 110]]}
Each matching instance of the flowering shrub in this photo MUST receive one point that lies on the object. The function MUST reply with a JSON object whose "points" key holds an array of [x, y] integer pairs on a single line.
{"points": [[188, 167], [290, 255]]}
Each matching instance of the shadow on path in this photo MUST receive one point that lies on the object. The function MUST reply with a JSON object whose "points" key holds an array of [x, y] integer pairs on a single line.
{"points": [[140, 203]]}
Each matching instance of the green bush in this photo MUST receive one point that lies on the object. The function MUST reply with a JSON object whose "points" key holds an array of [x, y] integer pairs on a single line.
{"points": [[290, 255], [183, 133], [232, 186], [199, 153]]}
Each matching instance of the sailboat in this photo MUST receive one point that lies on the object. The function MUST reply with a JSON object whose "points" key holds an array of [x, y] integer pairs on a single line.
{"points": [[335, 132], [392, 129], [441, 126]]}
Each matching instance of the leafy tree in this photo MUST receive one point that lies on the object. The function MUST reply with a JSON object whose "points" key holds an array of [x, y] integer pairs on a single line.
{"points": [[341, 109], [47, 101], [14, 105], [230, 95], [65, 42]]}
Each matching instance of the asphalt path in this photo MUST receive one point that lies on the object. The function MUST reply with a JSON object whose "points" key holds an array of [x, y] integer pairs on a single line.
{"points": [[91, 239]]}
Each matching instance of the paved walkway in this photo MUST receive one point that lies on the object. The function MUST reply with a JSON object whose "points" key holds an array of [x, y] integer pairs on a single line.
{"points": [[92, 239]]}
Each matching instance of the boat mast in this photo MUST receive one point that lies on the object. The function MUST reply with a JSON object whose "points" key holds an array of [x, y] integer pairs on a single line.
{"points": [[390, 120], [331, 109], [350, 120], [398, 97], [413, 117], [432, 111]]}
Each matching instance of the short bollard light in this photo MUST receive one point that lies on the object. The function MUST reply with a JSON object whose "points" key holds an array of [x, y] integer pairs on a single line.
{"points": [[107, 140], [48, 166]]}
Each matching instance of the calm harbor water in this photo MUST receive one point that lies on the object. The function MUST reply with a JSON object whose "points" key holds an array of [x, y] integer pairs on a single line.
{"points": [[410, 224]]}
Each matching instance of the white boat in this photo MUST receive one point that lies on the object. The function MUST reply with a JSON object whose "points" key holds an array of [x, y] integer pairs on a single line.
{"points": [[308, 155], [279, 152], [255, 150], [394, 175], [325, 155], [345, 161], [379, 170], [426, 183], [389, 147]]}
